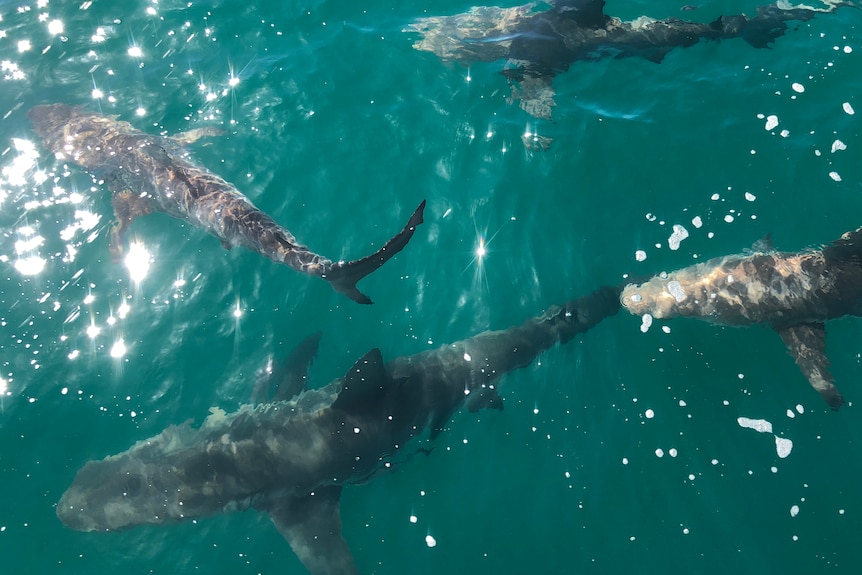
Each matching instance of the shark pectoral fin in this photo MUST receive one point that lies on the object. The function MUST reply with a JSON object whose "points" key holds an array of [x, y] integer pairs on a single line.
{"points": [[365, 383], [535, 93], [291, 378], [127, 206], [343, 276], [482, 398], [312, 526], [196, 134], [806, 342], [764, 244]]}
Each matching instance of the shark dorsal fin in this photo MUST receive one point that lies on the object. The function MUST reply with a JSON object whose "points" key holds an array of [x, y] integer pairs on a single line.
{"points": [[312, 526], [847, 248], [587, 13], [806, 342], [366, 382]]}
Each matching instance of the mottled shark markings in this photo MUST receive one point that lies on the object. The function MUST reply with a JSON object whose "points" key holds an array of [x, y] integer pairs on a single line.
{"points": [[793, 292], [540, 43], [291, 457], [147, 173]]}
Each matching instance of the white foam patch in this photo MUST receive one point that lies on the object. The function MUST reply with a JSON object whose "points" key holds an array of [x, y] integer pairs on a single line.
{"points": [[761, 425], [675, 289], [646, 322], [848, 108], [783, 447], [771, 122], [679, 234], [838, 145]]}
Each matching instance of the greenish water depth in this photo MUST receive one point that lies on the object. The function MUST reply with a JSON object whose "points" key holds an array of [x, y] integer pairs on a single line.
{"points": [[338, 128]]}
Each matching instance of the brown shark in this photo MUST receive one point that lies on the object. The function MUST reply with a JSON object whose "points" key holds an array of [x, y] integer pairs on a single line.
{"points": [[794, 292], [539, 40], [292, 456], [147, 173]]}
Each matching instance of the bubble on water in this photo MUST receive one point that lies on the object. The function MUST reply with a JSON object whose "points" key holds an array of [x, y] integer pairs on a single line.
{"points": [[679, 234], [783, 447], [761, 425], [646, 322]]}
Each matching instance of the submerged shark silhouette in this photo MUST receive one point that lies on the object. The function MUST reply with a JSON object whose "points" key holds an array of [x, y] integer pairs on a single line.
{"points": [[793, 292], [292, 456], [147, 173], [539, 44]]}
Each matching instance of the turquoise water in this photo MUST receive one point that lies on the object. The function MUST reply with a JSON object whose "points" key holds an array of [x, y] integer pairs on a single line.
{"points": [[338, 128]]}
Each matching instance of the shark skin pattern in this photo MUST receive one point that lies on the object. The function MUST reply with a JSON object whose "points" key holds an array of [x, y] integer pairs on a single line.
{"points": [[540, 43], [147, 173], [793, 292], [292, 456]]}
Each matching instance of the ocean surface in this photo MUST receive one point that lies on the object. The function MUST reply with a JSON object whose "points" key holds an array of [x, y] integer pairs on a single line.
{"points": [[623, 451]]}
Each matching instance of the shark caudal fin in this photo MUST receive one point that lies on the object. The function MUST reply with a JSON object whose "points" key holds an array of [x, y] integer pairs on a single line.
{"points": [[344, 275]]}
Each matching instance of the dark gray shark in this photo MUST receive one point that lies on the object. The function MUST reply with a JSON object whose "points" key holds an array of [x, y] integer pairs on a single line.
{"points": [[541, 43], [149, 173], [291, 457], [794, 292]]}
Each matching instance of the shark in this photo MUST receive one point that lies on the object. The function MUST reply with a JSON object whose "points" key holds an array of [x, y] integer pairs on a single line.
{"points": [[292, 455], [147, 173], [539, 40], [794, 293]]}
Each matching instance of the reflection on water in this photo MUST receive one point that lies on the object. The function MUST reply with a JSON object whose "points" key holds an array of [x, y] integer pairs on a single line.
{"points": [[613, 454]]}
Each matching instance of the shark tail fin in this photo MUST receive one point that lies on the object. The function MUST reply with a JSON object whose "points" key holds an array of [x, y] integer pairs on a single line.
{"points": [[344, 275], [847, 248]]}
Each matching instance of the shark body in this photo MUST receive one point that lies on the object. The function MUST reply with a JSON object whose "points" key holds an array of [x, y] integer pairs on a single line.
{"points": [[147, 173], [291, 456], [540, 43], [793, 292]]}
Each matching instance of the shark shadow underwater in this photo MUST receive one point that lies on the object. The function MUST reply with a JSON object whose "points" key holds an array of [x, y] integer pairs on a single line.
{"points": [[147, 173], [540, 43], [792, 292], [292, 456]]}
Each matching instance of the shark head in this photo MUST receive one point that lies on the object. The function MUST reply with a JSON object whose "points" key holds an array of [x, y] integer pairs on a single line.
{"points": [[661, 297], [179, 474], [113, 494]]}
